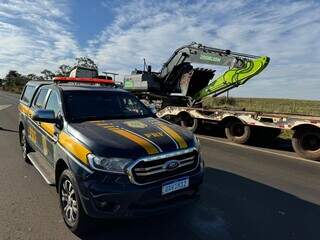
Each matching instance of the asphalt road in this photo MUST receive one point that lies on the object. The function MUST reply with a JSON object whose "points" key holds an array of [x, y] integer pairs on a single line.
{"points": [[248, 193]]}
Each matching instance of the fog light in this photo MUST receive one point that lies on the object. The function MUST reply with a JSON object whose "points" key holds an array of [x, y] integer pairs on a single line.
{"points": [[107, 206], [103, 205]]}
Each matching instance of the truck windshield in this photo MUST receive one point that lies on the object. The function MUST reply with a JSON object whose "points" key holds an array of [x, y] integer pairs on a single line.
{"points": [[100, 105]]}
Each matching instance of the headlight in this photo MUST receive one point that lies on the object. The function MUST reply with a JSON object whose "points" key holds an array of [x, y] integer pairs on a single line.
{"points": [[197, 145], [196, 142], [113, 165]]}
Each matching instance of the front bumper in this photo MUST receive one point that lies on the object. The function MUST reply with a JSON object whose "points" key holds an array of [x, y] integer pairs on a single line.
{"points": [[114, 196]]}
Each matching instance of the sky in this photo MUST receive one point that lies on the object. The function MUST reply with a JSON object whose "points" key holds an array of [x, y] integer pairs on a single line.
{"points": [[118, 34]]}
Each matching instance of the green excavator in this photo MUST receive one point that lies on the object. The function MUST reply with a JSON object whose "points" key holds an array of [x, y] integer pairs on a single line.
{"points": [[179, 83]]}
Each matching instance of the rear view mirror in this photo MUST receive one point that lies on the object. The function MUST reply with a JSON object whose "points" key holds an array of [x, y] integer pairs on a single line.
{"points": [[42, 115]]}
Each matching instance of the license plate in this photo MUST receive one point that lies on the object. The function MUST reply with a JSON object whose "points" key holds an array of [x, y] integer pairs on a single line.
{"points": [[175, 185]]}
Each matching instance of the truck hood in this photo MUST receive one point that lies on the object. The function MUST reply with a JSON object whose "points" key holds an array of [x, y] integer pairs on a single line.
{"points": [[131, 138]]}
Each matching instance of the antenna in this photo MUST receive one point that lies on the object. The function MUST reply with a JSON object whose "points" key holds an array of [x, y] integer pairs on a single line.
{"points": [[144, 64]]}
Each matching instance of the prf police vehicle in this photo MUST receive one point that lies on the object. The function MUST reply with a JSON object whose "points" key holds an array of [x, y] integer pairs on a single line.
{"points": [[105, 151]]}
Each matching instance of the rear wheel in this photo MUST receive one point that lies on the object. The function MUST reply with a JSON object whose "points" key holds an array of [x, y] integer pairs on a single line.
{"points": [[306, 143], [70, 204], [237, 132]]}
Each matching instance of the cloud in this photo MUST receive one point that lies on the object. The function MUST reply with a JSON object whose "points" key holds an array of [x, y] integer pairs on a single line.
{"points": [[35, 35], [287, 31]]}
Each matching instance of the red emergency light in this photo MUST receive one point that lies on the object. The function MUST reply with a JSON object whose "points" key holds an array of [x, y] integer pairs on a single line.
{"points": [[82, 80]]}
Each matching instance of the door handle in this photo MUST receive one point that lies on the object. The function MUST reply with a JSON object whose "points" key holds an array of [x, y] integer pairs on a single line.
{"points": [[55, 136]]}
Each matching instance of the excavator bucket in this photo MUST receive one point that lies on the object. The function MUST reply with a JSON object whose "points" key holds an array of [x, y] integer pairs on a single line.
{"points": [[233, 78]]}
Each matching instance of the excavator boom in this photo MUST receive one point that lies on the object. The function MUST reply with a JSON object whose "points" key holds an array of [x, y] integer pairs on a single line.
{"points": [[233, 78]]}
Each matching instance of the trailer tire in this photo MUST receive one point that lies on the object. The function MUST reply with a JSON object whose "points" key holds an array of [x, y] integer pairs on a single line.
{"points": [[188, 122], [237, 132], [306, 143]]}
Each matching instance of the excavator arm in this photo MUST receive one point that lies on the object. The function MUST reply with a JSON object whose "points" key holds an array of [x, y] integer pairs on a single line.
{"points": [[242, 67], [197, 53], [233, 78]]}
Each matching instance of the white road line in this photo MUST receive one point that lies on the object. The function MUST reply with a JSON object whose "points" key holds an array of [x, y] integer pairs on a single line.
{"points": [[2, 107], [257, 149], [7, 96]]}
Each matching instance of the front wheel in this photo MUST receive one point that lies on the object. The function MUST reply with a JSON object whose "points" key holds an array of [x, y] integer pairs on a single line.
{"points": [[25, 147], [70, 204], [306, 143]]}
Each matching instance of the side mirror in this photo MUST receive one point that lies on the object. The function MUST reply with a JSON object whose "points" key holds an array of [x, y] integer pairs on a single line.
{"points": [[152, 109], [42, 115]]}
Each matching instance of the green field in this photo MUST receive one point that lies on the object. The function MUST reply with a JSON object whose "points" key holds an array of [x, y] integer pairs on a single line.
{"points": [[293, 106]]}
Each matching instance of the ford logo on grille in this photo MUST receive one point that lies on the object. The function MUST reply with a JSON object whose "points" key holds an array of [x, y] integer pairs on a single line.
{"points": [[170, 165]]}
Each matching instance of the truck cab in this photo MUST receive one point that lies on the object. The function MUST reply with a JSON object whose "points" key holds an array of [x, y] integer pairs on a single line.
{"points": [[107, 154]]}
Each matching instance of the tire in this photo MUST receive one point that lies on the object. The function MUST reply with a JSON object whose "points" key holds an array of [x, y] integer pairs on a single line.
{"points": [[237, 132], [72, 211], [188, 122], [306, 143], [25, 147]]}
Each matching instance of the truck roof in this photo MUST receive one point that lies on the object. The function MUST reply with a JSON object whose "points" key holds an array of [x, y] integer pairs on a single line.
{"points": [[38, 83], [73, 87]]}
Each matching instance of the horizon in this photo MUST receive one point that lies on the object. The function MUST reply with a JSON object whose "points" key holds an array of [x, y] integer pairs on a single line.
{"points": [[117, 35]]}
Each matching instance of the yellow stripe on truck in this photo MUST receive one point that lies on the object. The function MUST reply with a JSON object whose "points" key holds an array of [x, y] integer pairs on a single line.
{"points": [[180, 141], [48, 127], [74, 147], [149, 147], [24, 109]]}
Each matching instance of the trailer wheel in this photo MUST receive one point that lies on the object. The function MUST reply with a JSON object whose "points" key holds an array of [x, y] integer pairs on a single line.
{"points": [[306, 143], [237, 132], [188, 122]]}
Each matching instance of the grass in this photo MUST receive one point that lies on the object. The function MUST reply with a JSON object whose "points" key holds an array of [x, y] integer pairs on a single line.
{"points": [[14, 88], [292, 106]]}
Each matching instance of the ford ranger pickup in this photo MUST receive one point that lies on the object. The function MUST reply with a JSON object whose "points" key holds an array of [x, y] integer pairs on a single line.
{"points": [[107, 154]]}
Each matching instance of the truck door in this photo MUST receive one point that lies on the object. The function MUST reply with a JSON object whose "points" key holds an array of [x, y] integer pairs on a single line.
{"points": [[35, 133], [53, 103]]}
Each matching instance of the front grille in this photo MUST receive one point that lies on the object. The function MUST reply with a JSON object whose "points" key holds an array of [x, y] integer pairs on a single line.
{"points": [[146, 171]]}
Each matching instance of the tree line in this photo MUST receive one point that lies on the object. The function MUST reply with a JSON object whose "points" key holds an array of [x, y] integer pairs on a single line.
{"points": [[15, 81]]}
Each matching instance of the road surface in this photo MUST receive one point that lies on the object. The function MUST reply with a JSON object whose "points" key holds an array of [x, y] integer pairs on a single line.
{"points": [[248, 193]]}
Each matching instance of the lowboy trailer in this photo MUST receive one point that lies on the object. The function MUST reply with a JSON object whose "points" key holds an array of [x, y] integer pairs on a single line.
{"points": [[243, 126]]}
